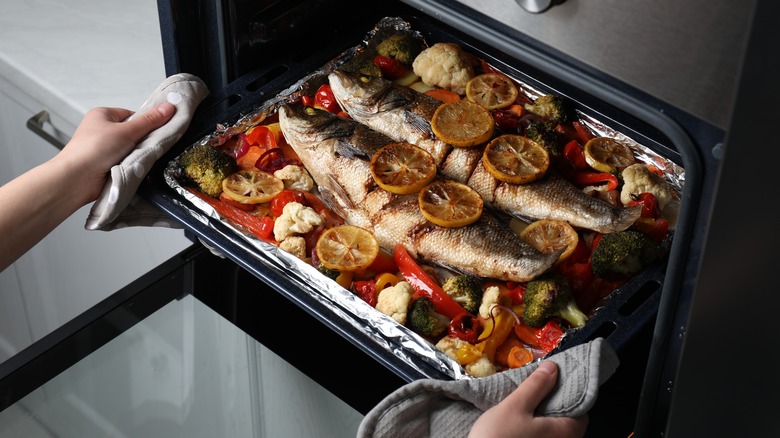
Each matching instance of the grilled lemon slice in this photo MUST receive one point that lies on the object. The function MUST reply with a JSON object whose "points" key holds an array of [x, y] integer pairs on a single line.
{"points": [[515, 159], [549, 236], [450, 204], [252, 186], [347, 248], [491, 91], [463, 123], [606, 154], [402, 168]]}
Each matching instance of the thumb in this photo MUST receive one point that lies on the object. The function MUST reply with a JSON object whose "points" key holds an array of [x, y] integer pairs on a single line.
{"points": [[537, 386], [144, 123]]}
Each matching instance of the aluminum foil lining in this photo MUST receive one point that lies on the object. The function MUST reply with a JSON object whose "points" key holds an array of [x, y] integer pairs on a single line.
{"points": [[386, 332]]}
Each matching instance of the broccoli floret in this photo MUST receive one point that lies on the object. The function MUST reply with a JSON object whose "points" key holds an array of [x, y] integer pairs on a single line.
{"points": [[207, 166], [362, 65], [552, 107], [624, 253], [401, 47], [424, 319], [466, 290], [333, 274], [543, 133], [548, 297]]}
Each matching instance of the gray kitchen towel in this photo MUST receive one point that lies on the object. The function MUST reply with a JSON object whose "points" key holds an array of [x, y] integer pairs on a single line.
{"points": [[448, 408], [118, 206]]}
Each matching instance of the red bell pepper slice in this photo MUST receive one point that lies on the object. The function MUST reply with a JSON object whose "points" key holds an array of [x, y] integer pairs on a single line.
{"points": [[549, 336], [260, 227], [307, 100], [583, 132], [574, 153], [653, 227], [383, 263], [422, 283], [648, 202], [526, 334], [391, 67], [593, 178], [261, 136], [285, 197], [237, 147], [465, 327], [325, 99], [366, 290]]}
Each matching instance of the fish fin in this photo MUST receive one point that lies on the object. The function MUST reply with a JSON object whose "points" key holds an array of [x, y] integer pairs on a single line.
{"points": [[346, 149], [419, 124], [335, 197], [627, 217]]}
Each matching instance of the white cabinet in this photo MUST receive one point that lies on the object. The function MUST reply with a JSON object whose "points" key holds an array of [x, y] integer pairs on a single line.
{"points": [[72, 269]]}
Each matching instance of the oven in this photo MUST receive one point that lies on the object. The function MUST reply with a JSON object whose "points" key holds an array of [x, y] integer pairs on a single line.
{"points": [[247, 52], [252, 50]]}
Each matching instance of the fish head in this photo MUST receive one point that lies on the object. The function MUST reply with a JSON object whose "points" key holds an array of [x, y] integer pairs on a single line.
{"points": [[356, 92]]}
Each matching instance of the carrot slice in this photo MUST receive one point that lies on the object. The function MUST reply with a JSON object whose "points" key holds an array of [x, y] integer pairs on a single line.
{"points": [[248, 160], [443, 95], [519, 356], [503, 350]]}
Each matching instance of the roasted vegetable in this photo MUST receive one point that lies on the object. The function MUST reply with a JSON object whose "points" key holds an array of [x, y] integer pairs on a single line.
{"points": [[330, 273], [362, 65], [466, 290], [552, 107], [206, 166], [623, 254], [549, 296], [401, 47], [543, 133], [445, 65], [424, 319]]}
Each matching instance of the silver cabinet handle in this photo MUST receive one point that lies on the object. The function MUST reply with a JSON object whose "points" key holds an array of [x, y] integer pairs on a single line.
{"points": [[35, 124]]}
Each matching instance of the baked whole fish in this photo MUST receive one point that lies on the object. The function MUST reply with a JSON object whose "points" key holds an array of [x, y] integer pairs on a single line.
{"points": [[337, 152], [405, 115]]}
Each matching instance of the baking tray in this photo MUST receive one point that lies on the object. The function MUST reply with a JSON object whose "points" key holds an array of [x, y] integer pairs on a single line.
{"points": [[627, 310]]}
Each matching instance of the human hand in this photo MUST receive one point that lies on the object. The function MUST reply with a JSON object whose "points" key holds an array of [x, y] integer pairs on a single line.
{"points": [[514, 416], [103, 139]]}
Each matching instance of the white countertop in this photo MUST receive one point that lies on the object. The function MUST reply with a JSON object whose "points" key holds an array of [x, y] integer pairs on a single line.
{"points": [[78, 54]]}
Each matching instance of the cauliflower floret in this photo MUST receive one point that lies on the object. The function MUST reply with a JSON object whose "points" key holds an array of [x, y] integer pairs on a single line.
{"points": [[295, 178], [449, 345], [295, 219], [490, 298], [481, 367], [445, 65], [637, 178], [394, 301], [295, 245]]}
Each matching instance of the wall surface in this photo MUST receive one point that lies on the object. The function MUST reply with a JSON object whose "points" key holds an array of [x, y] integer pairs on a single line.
{"points": [[685, 53]]}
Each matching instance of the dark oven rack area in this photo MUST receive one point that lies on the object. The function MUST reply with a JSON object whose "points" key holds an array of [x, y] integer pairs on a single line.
{"points": [[256, 50]]}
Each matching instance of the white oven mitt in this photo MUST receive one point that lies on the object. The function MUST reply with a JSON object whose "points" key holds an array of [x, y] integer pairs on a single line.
{"points": [[448, 408], [118, 206]]}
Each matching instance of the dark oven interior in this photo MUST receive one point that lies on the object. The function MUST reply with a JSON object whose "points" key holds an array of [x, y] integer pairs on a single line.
{"points": [[248, 51]]}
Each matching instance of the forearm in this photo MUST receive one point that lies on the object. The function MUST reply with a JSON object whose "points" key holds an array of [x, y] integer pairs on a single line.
{"points": [[34, 204]]}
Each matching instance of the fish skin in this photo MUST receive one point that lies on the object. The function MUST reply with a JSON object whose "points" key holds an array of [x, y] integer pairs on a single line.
{"points": [[552, 197], [405, 115], [486, 248]]}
